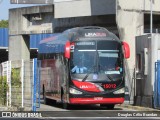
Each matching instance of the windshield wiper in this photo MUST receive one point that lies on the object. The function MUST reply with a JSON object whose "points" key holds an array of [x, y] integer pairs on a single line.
{"points": [[109, 77], [86, 76], [100, 67]]}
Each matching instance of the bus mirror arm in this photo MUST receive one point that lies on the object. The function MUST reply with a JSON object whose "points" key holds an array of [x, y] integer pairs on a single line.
{"points": [[67, 50], [126, 50]]}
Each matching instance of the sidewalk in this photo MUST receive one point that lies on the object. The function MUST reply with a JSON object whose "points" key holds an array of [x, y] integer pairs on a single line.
{"points": [[3, 108], [8, 109]]}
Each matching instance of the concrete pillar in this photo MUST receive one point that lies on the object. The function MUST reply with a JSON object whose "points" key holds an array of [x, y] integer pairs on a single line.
{"points": [[18, 50], [19, 47], [130, 24]]}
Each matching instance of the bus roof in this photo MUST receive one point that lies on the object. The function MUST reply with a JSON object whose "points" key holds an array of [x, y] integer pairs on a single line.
{"points": [[56, 43]]}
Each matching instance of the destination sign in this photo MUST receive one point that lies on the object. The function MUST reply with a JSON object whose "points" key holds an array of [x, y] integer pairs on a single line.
{"points": [[85, 43]]}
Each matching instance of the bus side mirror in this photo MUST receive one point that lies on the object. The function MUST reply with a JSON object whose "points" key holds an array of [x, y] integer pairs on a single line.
{"points": [[126, 50], [67, 50]]}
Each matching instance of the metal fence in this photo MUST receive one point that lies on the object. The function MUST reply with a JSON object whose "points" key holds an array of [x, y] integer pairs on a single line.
{"points": [[157, 85], [3, 90], [22, 84], [36, 85], [6, 73]]}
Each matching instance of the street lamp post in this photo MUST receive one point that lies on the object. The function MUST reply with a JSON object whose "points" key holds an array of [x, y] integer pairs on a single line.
{"points": [[31, 1], [151, 18]]}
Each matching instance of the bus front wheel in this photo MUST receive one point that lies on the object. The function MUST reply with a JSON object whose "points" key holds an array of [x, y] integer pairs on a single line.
{"points": [[44, 96], [64, 104]]}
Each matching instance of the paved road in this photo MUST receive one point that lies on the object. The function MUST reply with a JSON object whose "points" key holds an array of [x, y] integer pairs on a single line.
{"points": [[58, 107], [96, 112], [91, 112]]}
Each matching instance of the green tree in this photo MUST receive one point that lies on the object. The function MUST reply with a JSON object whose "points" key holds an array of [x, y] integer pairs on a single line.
{"points": [[3, 90], [4, 23], [15, 76]]}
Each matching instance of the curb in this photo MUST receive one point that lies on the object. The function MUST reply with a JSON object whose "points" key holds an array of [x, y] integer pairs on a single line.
{"points": [[14, 109], [3, 108], [139, 108]]}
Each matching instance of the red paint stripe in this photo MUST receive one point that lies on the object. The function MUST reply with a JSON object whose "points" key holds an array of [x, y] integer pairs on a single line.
{"points": [[96, 101], [48, 39], [87, 86]]}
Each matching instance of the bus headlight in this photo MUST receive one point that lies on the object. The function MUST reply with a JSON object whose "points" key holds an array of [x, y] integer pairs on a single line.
{"points": [[120, 91], [74, 91]]}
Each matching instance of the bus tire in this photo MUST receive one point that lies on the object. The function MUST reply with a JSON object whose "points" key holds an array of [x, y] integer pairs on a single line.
{"points": [[109, 106], [45, 101], [44, 96], [65, 106]]}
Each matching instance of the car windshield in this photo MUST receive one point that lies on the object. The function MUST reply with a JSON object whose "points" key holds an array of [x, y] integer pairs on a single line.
{"points": [[97, 59]]}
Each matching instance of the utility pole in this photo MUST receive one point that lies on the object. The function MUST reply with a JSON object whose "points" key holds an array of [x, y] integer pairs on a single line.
{"points": [[151, 18]]}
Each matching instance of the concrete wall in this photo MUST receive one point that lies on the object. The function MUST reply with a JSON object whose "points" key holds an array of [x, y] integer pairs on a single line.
{"points": [[19, 47], [77, 8], [130, 21], [146, 75], [25, 21], [72, 9], [130, 24], [30, 20], [139, 5]]}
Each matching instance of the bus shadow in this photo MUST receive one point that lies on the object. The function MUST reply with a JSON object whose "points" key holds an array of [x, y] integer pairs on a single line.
{"points": [[90, 107], [80, 107]]}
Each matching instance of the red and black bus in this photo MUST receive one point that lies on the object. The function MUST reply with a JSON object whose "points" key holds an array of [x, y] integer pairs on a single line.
{"points": [[83, 65]]}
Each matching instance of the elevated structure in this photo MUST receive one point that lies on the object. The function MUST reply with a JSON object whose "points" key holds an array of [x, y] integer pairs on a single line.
{"points": [[83, 8], [22, 23], [33, 47], [51, 19]]}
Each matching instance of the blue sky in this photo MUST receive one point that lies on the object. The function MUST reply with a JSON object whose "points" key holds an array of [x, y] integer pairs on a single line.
{"points": [[5, 6]]}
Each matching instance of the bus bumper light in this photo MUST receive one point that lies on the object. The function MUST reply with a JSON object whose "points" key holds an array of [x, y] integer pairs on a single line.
{"points": [[120, 91]]}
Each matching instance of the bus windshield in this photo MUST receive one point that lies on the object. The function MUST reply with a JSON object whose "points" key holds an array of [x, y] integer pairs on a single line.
{"points": [[101, 58]]}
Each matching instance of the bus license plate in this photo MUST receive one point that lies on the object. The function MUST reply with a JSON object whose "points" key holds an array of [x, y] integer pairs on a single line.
{"points": [[98, 98]]}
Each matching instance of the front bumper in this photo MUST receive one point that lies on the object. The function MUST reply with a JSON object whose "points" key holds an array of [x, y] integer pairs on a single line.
{"points": [[96, 100]]}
